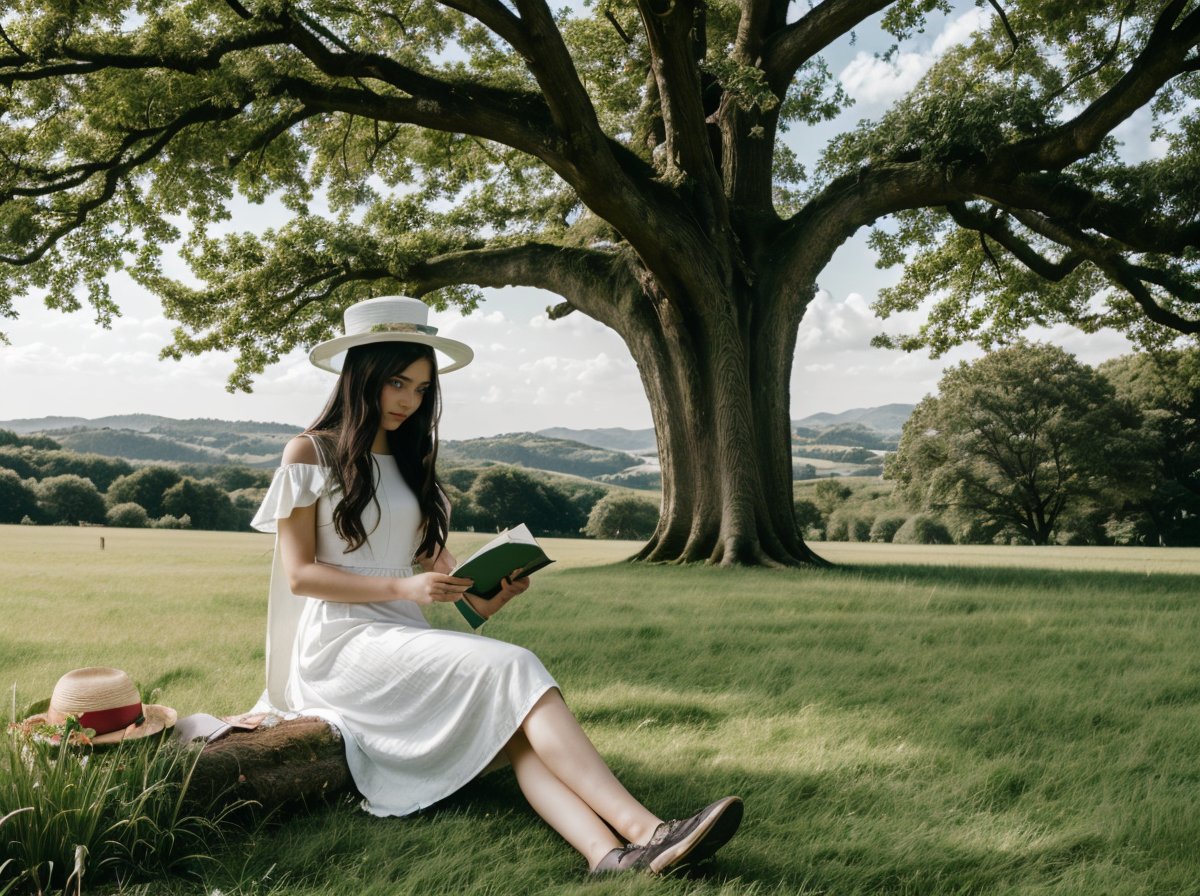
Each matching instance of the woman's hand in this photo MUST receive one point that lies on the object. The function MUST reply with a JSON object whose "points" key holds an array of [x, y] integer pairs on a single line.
{"points": [[509, 588], [432, 587]]}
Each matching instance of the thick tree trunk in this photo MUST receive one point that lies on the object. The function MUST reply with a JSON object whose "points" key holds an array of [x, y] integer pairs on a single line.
{"points": [[718, 387]]}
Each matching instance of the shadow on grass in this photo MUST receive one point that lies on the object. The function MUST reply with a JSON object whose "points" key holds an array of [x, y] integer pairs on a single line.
{"points": [[803, 833], [1021, 577]]}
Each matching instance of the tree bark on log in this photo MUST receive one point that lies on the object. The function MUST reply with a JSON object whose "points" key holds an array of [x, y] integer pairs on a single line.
{"points": [[293, 761]]}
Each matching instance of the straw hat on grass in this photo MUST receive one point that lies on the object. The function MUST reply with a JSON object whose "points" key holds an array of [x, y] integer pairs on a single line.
{"points": [[101, 700]]}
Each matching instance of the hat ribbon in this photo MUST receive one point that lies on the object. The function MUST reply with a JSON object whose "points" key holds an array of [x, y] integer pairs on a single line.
{"points": [[102, 721], [403, 328]]}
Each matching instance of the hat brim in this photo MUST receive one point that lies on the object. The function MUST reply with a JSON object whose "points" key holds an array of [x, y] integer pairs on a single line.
{"points": [[156, 719], [330, 355]]}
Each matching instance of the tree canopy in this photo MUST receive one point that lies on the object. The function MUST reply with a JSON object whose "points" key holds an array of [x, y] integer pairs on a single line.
{"points": [[1019, 441], [636, 157], [1165, 387]]}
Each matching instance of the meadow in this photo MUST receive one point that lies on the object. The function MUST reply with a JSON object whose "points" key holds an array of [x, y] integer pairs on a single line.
{"points": [[917, 720]]}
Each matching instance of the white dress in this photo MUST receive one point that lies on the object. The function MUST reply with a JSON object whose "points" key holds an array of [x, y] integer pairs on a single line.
{"points": [[422, 710]]}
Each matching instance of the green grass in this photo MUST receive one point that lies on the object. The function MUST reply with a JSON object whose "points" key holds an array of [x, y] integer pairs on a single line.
{"points": [[73, 813], [917, 721]]}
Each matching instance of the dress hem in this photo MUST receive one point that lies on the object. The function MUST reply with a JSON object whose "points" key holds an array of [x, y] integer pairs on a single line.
{"points": [[453, 789]]}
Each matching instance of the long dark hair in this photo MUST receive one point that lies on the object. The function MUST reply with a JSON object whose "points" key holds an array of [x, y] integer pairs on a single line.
{"points": [[346, 429]]}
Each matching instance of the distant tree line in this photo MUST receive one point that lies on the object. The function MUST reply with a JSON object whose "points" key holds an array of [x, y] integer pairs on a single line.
{"points": [[41, 483], [539, 452], [499, 496], [1029, 445]]}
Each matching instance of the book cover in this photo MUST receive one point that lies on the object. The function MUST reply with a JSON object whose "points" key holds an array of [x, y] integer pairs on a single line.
{"points": [[514, 548]]}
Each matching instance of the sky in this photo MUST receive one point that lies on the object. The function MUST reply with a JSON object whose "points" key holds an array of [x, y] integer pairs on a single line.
{"points": [[530, 373]]}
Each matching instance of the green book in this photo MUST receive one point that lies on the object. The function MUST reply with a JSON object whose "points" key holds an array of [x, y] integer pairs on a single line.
{"points": [[513, 549]]}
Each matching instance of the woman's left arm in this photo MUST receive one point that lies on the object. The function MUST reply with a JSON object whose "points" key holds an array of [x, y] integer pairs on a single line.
{"points": [[509, 588]]}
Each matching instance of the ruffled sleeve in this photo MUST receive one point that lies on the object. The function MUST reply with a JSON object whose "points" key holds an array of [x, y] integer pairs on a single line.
{"points": [[294, 485]]}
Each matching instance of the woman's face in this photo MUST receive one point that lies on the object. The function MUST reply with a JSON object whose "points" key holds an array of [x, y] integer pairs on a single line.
{"points": [[403, 393]]}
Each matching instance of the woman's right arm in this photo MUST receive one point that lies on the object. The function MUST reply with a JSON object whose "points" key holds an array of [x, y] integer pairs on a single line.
{"points": [[298, 551]]}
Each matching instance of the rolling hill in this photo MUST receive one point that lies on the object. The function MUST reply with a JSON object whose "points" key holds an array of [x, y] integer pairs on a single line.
{"points": [[611, 454]]}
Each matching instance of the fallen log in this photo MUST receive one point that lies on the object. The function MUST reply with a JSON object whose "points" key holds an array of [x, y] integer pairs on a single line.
{"points": [[279, 762]]}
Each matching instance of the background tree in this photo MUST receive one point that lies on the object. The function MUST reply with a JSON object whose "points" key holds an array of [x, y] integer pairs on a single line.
{"points": [[42, 443], [145, 487], [17, 499], [102, 471], [8, 438], [70, 499], [808, 515], [204, 503], [505, 496], [1165, 387], [231, 477], [922, 529], [127, 516], [1018, 439], [618, 515], [829, 494], [629, 158], [20, 461]]}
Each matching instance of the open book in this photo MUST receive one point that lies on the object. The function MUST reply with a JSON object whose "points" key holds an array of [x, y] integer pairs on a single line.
{"points": [[512, 549]]}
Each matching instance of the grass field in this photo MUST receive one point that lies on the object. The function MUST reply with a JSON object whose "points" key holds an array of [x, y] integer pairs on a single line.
{"points": [[915, 721]]}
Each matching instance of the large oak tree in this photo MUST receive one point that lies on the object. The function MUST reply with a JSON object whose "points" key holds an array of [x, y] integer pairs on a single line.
{"points": [[630, 157]]}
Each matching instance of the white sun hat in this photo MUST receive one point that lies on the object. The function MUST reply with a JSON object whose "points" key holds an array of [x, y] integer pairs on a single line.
{"points": [[388, 319]]}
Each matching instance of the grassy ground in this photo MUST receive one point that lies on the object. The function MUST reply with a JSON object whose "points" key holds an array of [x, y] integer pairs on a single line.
{"points": [[917, 721]]}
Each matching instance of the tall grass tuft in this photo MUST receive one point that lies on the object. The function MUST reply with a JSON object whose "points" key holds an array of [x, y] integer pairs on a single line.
{"points": [[69, 811]]}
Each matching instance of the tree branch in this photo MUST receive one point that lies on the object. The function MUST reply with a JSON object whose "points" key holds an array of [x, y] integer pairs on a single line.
{"points": [[13, 68], [498, 18], [442, 110], [807, 241], [114, 170], [565, 135], [669, 27], [1124, 273], [1103, 61], [239, 9], [570, 106], [1012, 35], [790, 48], [999, 232], [759, 20], [589, 279], [1164, 56], [1059, 199], [21, 55]]}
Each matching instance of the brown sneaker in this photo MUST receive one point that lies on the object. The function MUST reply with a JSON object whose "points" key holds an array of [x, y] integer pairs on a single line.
{"points": [[623, 858], [693, 839], [678, 842]]}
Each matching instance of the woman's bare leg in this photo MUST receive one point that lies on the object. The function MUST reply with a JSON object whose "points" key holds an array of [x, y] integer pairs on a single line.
{"points": [[565, 751], [557, 804]]}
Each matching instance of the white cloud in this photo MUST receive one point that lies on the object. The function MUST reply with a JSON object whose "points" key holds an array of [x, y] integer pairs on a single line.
{"points": [[830, 324], [871, 79], [959, 30], [530, 372], [1136, 138]]}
